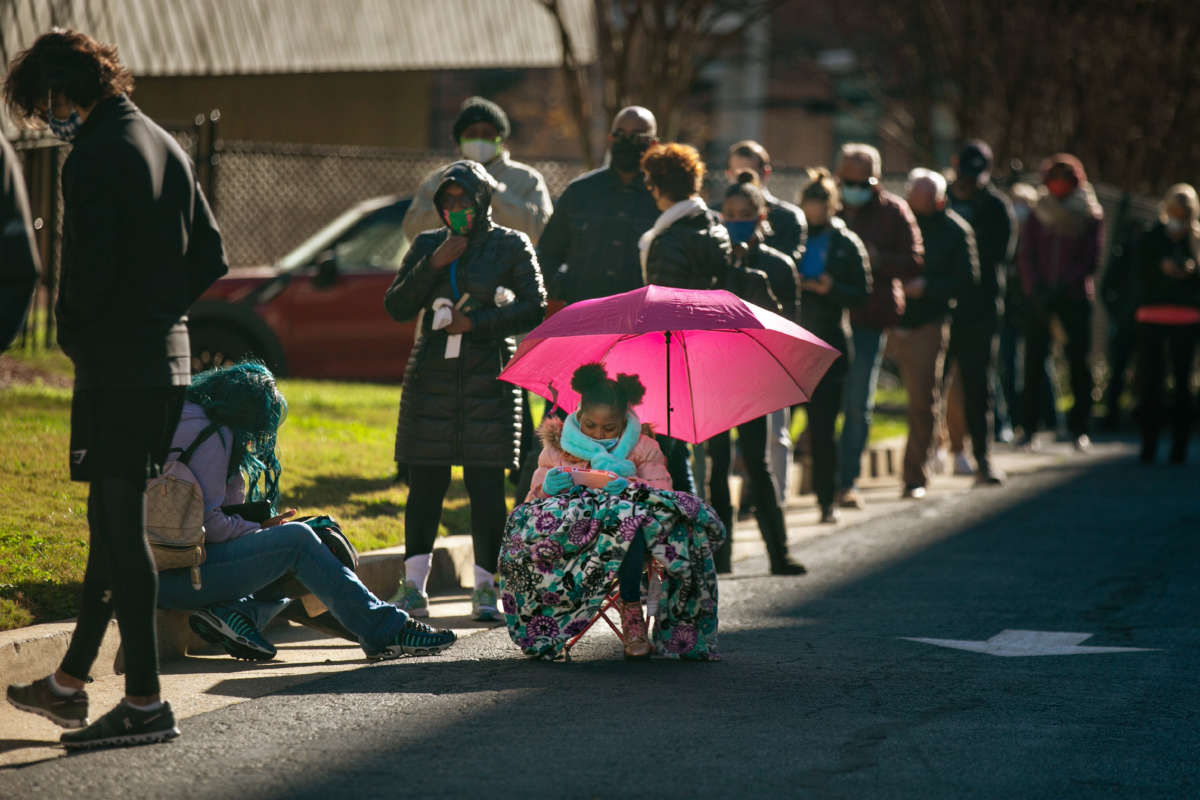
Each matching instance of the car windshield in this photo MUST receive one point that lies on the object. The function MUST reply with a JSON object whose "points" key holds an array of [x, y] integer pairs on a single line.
{"points": [[360, 238]]}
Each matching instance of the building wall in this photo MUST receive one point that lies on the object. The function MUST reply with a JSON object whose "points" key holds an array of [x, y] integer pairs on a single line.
{"points": [[379, 109]]}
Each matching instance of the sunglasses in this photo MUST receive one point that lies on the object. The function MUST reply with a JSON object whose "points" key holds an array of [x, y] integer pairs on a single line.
{"points": [[867, 184], [640, 138]]}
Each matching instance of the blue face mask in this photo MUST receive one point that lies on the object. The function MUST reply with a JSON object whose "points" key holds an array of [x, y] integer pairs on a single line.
{"points": [[856, 195], [741, 231], [65, 129], [606, 443]]}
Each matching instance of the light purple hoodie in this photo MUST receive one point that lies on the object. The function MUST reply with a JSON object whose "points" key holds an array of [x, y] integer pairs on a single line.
{"points": [[210, 465]]}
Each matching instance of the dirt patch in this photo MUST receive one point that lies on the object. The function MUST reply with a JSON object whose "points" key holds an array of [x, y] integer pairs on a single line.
{"points": [[13, 372]]}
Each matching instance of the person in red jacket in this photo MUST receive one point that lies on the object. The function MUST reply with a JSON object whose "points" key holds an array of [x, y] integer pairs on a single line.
{"points": [[887, 227], [1060, 249]]}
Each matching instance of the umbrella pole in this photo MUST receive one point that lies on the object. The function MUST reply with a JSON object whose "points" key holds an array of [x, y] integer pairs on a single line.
{"points": [[668, 336]]}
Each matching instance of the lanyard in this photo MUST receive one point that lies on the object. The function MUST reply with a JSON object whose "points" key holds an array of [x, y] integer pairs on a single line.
{"points": [[454, 280]]}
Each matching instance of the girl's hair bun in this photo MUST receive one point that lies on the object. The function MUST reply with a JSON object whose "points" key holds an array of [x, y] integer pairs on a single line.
{"points": [[589, 376], [630, 386], [747, 176]]}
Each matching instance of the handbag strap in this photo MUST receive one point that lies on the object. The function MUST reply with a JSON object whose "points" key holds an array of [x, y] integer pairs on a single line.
{"points": [[186, 455]]}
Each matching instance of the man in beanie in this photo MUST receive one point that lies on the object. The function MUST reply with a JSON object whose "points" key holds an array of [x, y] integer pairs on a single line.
{"points": [[521, 202], [975, 321]]}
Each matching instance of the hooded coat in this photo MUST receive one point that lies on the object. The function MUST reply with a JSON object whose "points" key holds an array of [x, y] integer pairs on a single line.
{"points": [[454, 410], [1062, 239]]}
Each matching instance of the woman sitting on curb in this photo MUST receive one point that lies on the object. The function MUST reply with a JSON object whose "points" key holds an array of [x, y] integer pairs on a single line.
{"points": [[235, 412], [564, 545]]}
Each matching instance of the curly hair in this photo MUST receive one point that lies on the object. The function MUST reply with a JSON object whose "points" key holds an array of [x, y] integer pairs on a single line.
{"points": [[597, 389], [675, 169], [244, 398], [67, 62]]}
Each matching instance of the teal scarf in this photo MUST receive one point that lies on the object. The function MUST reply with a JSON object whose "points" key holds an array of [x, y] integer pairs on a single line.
{"points": [[580, 445]]}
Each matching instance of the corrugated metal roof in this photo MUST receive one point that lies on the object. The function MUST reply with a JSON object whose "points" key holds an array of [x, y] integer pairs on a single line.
{"points": [[242, 37]]}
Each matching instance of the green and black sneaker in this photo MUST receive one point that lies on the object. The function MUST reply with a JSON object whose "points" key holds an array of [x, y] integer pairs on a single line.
{"points": [[124, 726], [416, 639]]}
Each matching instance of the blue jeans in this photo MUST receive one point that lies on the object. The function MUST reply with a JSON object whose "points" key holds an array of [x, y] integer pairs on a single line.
{"points": [[236, 569], [858, 401]]}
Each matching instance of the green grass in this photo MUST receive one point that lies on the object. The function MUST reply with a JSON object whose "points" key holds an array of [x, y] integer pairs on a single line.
{"points": [[336, 450]]}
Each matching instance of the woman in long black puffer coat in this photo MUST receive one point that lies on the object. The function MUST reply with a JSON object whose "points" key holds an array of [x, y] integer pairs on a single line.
{"points": [[453, 409]]}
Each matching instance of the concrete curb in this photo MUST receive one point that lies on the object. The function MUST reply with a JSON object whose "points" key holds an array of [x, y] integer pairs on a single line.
{"points": [[34, 651]]}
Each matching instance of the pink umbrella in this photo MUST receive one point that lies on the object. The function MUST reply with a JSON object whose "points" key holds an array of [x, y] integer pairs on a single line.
{"points": [[708, 359]]}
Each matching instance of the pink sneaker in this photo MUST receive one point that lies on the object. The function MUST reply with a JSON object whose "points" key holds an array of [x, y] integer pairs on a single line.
{"points": [[633, 630]]}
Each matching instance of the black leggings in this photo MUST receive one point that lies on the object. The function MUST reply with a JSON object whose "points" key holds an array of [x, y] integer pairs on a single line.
{"points": [[427, 487], [752, 437], [120, 578], [1179, 342]]}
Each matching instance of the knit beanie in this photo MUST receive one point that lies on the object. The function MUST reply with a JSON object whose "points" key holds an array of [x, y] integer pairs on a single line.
{"points": [[480, 109]]}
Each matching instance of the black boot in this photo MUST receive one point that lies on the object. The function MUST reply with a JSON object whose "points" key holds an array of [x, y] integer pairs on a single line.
{"points": [[723, 557], [774, 532]]}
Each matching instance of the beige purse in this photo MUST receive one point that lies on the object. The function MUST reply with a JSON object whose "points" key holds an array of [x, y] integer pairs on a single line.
{"points": [[175, 514]]}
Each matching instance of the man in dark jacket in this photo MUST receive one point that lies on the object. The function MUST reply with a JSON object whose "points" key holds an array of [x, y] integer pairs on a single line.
{"points": [[976, 318], [886, 226], [476, 285], [139, 247], [950, 274], [590, 245], [18, 253], [786, 226]]}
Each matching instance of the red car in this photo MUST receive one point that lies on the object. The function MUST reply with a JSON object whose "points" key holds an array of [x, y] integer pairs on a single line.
{"points": [[318, 312]]}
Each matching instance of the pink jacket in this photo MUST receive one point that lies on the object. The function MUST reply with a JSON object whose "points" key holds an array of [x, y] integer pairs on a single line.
{"points": [[649, 460]]}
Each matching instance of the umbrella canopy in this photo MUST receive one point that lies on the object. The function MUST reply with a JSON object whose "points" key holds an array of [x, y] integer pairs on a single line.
{"points": [[724, 360]]}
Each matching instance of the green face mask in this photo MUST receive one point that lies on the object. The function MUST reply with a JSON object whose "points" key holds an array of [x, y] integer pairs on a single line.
{"points": [[459, 221], [481, 150]]}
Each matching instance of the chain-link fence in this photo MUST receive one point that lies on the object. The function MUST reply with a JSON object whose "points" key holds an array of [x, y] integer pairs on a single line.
{"points": [[270, 197]]}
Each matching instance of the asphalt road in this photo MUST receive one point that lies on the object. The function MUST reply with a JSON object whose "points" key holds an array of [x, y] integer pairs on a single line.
{"points": [[819, 693]]}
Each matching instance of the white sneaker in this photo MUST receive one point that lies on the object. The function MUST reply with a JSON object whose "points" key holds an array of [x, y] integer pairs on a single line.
{"points": [[962, 465], [412, 600]]}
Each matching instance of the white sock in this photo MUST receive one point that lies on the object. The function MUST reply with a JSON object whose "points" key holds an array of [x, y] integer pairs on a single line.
{"points": [[59, 689], [416, 570], [482, 577], [151, 707]]}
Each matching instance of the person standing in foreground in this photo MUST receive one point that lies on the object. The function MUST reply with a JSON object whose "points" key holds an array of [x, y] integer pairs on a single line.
{"points": [[18, 253], [475, 285], [975, 320], [1168, 315], [1060, 250], [885, 224], [139, 247], [521, 200]]}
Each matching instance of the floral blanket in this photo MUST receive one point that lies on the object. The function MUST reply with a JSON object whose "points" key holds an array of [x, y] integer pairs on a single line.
{"points": [[559, 556]]}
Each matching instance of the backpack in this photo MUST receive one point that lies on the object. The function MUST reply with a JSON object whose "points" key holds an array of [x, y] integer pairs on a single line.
{"points": [[175, 513]]}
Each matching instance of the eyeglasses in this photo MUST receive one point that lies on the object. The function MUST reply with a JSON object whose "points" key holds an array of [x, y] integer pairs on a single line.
{"points": [[639, 138]]}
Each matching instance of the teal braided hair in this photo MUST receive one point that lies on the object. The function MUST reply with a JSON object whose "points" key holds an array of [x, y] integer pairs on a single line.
{"points": [[244, 398]]}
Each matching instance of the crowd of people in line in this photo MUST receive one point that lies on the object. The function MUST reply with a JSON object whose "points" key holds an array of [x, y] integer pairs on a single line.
{"points": [[951, 282]]}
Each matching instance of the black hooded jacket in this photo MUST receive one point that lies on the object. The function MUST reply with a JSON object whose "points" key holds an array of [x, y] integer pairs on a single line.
{"points": [[848, 266], [780, 270], [140, 245], [454, 410]]}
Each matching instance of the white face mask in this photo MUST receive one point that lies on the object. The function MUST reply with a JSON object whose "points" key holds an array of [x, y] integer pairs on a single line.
{"points": [[481, 150], [1176, 226]]}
